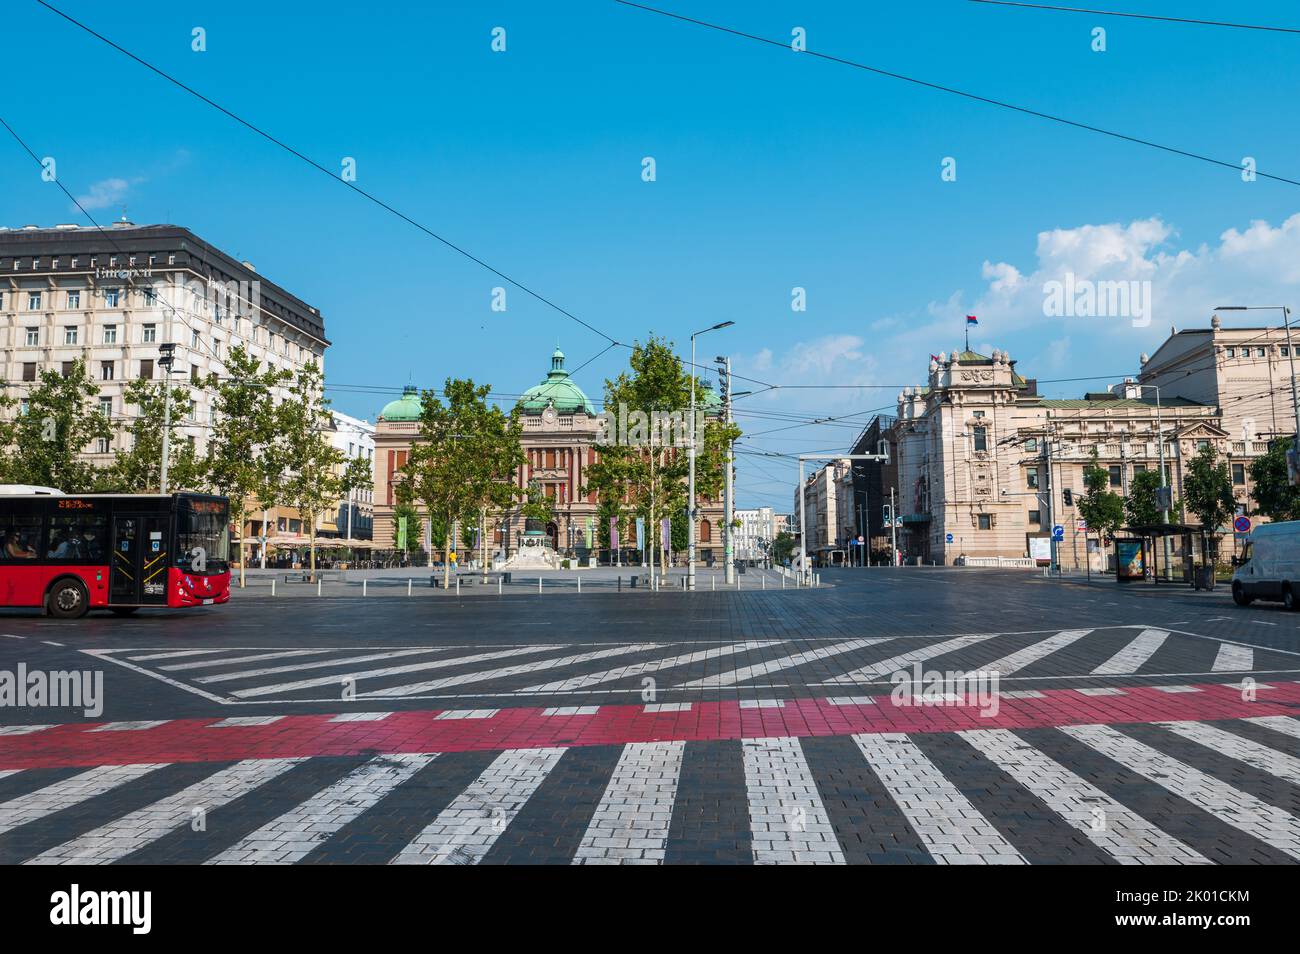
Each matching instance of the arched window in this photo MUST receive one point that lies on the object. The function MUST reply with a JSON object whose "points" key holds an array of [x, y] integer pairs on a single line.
{"points": [[706, 531]]}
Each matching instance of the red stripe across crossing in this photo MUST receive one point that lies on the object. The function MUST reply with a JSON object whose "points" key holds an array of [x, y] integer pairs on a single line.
{"points": [[202, 740]]}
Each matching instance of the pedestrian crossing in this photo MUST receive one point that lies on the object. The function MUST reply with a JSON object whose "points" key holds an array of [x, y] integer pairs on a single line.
{"points": [[610, 669], [1182, 792]]}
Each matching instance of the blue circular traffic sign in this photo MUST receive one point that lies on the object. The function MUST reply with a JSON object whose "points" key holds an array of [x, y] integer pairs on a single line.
{"points": [[1241, 524]]}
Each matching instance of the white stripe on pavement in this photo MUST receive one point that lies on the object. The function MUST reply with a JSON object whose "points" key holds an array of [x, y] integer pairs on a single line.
{"points": [[387, 671], [231, 660], [954, 830], [67, 792], [903, 660], [787, 819], [746, 673], [1234, 658], [133, 831], [636, 669], [1031, 654], [521, 669], [466, 829], [319, 664], [1123, 834], [1239, 809], [291, 837], [1262, 757], [1283, 724], [630, 825], [1132, 656], [23, 729], [175, 654]]}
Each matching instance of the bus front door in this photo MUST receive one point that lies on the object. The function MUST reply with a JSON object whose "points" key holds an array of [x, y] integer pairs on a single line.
{"points": [[138, 574]]}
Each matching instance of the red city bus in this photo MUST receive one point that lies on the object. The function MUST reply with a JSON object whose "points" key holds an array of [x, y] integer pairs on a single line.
{"points": [[71, 554]]}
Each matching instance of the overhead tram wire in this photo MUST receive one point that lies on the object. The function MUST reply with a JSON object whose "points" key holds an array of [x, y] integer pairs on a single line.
{"points": [[1138, 16], [953, 91]]}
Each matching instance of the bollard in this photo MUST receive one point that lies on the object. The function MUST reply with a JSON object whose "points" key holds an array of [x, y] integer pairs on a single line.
{"points": [[272, 586], [364, 583], [713, 583], [579, 584], [499, 579], [763, 580], [539, 584], [620, 584], [458, 586], [408, 586], [318, 583]]}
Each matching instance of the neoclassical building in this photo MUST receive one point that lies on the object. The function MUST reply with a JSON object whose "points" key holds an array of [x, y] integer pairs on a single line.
{"points": [[560, 428]]}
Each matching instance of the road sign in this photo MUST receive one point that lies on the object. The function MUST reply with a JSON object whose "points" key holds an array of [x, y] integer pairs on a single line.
{"points": [[1058, 532], [1241, 524], [861, 540], [1081, 526], [947, 538]]}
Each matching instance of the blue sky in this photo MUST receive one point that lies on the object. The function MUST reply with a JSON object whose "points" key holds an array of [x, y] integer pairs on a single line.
{"points": [[773, 171]]}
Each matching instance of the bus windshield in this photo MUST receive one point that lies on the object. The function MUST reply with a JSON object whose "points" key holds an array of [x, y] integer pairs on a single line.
{"points": [[203, 536]]}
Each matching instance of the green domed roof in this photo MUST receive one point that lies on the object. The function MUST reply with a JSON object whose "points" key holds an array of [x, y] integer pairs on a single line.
{"points": [[707, 399], [558, 390], [405, 408]]}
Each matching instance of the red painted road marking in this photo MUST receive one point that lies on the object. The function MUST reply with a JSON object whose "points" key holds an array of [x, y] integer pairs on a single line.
{"points": [[76, 744]]}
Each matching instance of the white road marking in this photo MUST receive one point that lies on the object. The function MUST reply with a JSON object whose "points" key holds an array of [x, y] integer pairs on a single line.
{"points": [[129, 726], [67, 792], [231, 660], [174, 654], [467, 829], [1124, 835], [240, 721], [517, 670], [904, 660], [1262, 757], [786, 814], [1131, 657], [954, 830], [133, 831], [1239, 809], [23, 729], [319, 664], [570, 710], [1031, 654], [746, 673], [630, 824], [361, 717], [636, 669], [467, 714], [1234, 658], [292, 836], [1284, 724]]}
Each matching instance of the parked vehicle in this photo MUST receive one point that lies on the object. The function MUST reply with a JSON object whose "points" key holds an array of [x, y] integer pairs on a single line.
{"points": [[1269, 566]]}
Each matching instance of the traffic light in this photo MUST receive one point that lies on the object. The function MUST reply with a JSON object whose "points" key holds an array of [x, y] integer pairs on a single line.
{"points": [[1068, 495], [888, 513]]}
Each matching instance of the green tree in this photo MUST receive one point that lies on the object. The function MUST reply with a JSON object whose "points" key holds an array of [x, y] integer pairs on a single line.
{"points": [[1207, 492], [8, 435], [240, 464], [1141, 506], [782, 548], [61, 421], [465, 456], [138, 469], [1276, 496], [1101, 509]]}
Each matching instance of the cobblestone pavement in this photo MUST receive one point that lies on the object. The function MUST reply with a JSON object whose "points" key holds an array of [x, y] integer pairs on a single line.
{"points": [[1102, 725]]}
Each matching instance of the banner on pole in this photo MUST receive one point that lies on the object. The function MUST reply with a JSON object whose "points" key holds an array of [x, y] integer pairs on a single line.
{"points": [[613, 533], [640, 533], [666, 532], [401, 533], [591, 530]]}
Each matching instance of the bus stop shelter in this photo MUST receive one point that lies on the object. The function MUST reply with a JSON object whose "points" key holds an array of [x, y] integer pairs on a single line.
{"points": [[1140, 554]]}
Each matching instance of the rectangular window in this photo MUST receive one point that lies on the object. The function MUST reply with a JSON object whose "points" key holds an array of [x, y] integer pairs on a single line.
{"points": [[110, 334], [82, 537], [106, 406], [981, 438], [106, 370], [1260, 352], [68, 367], [1031, 478], [194, 374], [146, 369], [101, 445], [1139, 469], [194, 339], [1230, 352], [985, 521], [1035, 517], [33, 336], [22, 534], [150, 297], [111, 296], [1238, 473], [29, 370], [74, 298], [150, 334], [33, 301], [1116, 475], [70, 335], [1031, 444]]}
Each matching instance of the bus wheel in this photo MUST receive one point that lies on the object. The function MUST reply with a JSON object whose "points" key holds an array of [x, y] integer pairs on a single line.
{"points": [[124, 610], [68, 599]]}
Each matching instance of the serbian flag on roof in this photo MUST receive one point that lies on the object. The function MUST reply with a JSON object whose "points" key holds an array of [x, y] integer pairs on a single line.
{"points": [[972, 320]]}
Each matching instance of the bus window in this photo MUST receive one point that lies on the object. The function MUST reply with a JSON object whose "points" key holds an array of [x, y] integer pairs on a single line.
{"points": [[80, 538], [203, 525], [22, 533]]}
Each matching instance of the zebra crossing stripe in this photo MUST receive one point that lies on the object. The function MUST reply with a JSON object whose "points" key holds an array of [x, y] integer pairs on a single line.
{"points": [[387, 671], [231, 660], [1123, 834], [466, 829], [1031, 654], [745, 673], [521, 669], [1230, 805], [630, 825], [295, 834], [953, 830], [636, 669], [1132, 656], [320, 664], [904, 660], [124, 835], [787, 819], [1283, 724], [175, 654], [1234, 658], [1254, 754], [67, 792], [23, 729]]}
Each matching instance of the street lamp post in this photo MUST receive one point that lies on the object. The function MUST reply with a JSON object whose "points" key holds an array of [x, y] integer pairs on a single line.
{"points": [[166, 352], [691, 515]]}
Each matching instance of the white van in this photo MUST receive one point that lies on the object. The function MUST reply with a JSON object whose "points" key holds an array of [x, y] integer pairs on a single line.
{"points": [[1269, 566]]}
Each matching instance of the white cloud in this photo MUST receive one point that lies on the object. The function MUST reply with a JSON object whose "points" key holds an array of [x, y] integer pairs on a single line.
{"points": [[106, 193]]}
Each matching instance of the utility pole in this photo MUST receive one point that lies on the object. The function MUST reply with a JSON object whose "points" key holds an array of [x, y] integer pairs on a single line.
{"points": [[166, 355], [691, 514], [1051, 502], [893, 530], [729, 496]]}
